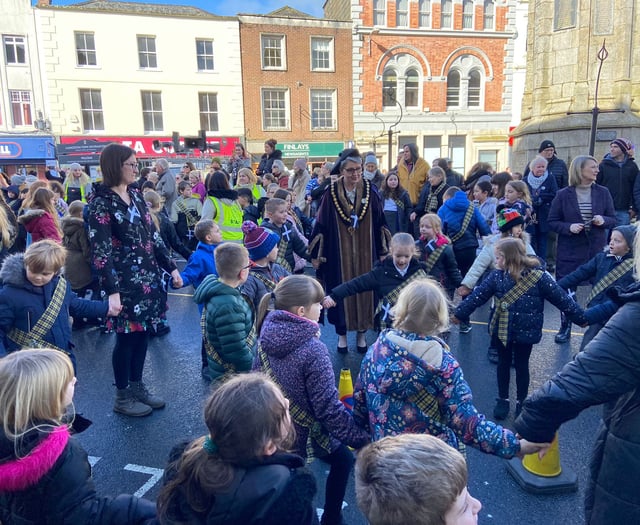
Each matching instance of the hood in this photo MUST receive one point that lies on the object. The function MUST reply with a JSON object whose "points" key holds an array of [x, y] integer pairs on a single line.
{"points": [[29, 215], [43, 450], [71, 225], [283, 332], [223, 194], [13, 272], [425, 358], [459, 202], [212, 286]]}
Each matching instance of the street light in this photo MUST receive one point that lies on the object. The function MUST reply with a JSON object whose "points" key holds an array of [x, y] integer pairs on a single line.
{"points": [[390, 94]]}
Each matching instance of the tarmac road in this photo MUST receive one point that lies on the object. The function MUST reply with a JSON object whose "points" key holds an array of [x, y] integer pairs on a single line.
{"points": [[129, 454]]}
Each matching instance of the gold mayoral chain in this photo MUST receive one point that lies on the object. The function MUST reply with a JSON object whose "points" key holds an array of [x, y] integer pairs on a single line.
{"points": [[352, 220]]}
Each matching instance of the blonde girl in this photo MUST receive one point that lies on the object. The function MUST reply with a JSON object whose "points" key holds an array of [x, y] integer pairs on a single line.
{"points": [[291, 353], [517, 197], [77, 184], [60, 205], [41, 218], [520, 288], [240, 468], [46, 477], [409, 381], [248, 179]]}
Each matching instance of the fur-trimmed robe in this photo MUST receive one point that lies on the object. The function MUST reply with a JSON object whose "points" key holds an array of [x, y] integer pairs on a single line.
{"points": [[345, 253]]}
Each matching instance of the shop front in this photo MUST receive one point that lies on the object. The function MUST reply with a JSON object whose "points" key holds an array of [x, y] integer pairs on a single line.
{"points": [[314, 152], [25, 153]]}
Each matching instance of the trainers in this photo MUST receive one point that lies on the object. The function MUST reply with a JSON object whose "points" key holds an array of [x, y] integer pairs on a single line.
{"points": [[129, 406], [140, 393], [464, 328], [492, 354], [501, 410]]}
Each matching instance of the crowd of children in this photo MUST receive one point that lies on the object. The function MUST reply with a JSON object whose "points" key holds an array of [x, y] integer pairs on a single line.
{"points": [[246, 253]]}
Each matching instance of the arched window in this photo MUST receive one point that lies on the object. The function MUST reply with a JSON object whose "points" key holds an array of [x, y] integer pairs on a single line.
{"points": [[402, 13], [453, 88], [467, 14], [389, 88], [473, 92], [424, 11], [489, 14], [411, 89], [446, 15]]}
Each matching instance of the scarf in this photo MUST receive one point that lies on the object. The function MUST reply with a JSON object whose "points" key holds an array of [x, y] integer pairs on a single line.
{"points": [[536, 182]]}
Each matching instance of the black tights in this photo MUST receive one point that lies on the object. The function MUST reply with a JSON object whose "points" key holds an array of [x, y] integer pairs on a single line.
{"points": [[520, 354], [128, 357], [341, 461]]}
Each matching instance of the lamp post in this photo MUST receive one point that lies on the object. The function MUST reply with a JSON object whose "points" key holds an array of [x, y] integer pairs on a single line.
{"points": [[391, 95]]}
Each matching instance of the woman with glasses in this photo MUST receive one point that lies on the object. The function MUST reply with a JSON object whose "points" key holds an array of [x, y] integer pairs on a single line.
{"points": [[350, 234], [129, 257]]}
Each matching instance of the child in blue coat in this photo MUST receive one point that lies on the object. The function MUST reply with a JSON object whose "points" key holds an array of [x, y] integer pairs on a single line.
{"points": [[520, 288]]}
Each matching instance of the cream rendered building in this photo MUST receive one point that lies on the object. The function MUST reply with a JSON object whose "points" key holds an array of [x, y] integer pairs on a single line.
{"points": [[118, 69], [564, 38]]}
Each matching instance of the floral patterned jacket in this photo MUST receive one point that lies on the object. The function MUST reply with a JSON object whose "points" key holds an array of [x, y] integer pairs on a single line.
{"points": [[391, 379], [129, 257]]}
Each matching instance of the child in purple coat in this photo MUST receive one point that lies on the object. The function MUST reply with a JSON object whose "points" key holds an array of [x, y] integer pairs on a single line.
{"points": [[292, 354]]}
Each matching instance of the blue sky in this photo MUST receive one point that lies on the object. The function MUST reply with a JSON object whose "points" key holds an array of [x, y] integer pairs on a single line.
{"points": [[225, 7]]}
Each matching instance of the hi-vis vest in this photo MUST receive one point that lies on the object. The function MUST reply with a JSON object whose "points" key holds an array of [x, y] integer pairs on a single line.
{"points": [[83, 197], [229, 218]]}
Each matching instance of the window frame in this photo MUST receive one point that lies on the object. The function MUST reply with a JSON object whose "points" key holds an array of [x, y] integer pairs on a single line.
{"points": [[446, 15], [17, 42], [451, 88], [489, 13], [413, 89], [147, 53], [286, 109], [468, 18], [477, 90], [331, 53], [424, 13], [152, 112], [402, 12], [93, 113], [389, 81], [208, 113], [379, 12], [204, 56], [283, 51], [88, 51], [331, 94], [23, 108]]}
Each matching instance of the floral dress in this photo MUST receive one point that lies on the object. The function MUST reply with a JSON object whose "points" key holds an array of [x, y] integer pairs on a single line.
{"points": [[394, 387], [130, 258]]}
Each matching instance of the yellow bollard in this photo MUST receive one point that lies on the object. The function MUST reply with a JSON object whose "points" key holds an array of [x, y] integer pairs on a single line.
{"points": [[548, 466], [345, 389]]}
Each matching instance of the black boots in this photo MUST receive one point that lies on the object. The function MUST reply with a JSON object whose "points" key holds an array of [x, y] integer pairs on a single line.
{"points": [[564, 334]]}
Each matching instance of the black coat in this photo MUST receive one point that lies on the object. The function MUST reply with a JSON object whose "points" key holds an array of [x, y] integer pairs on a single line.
{"points": [[54, 486], [266, 162], [272, 492], [620, 180], [608, 371]]}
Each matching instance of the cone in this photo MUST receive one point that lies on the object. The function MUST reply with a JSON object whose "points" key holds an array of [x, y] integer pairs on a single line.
{"points": [[345, 389], [548, 466], [543, 476]]}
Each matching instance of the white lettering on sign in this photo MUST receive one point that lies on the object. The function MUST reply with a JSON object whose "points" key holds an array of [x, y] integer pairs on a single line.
{"points": [[155, 473], [5, 150], [296, 147], [138, 147]]}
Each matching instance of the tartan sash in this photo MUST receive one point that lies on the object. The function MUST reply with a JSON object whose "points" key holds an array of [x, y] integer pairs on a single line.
{"points": [[399, 204], [190, 215], [267, 282], [431, 206], [433, 257], [502, 304], [35, 337], [388, 301], [611, 277], [211, 351], [318, 436], [465, 224], [282, 250]]}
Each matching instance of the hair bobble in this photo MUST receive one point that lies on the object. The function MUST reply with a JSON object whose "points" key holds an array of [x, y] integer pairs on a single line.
{"points": [[210, 446], [273, 296]]}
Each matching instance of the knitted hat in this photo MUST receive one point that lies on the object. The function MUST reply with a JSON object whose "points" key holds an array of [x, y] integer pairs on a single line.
{"points": [[300, 164], [628, 231], [17, 180], [11, 188], [546, 144], [258, 241], [75, 166], [507, 218], [624, 144], [371, 159]]}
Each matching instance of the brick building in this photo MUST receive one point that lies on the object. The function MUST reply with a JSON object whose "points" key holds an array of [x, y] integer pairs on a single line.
{"points": [[437, 72], [297, 87]]}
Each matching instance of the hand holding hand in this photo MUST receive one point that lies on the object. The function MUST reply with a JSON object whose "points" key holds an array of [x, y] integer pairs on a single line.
{"points": [[527, 447], [115, 307], [328, 302], [176, 279], [463, 290]]}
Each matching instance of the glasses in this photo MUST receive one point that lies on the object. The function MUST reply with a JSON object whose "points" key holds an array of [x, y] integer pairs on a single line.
{"points": [[132, 165], [247, 266], [352, 171]]}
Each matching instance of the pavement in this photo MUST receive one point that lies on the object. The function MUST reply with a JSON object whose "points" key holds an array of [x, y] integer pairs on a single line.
{"points": [[129, 454]]}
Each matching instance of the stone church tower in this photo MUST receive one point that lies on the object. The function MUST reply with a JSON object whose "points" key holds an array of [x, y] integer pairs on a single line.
{"points": [[563, 41]]}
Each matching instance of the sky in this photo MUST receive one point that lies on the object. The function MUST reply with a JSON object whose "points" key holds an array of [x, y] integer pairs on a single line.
{"points": [[226, 7]]}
